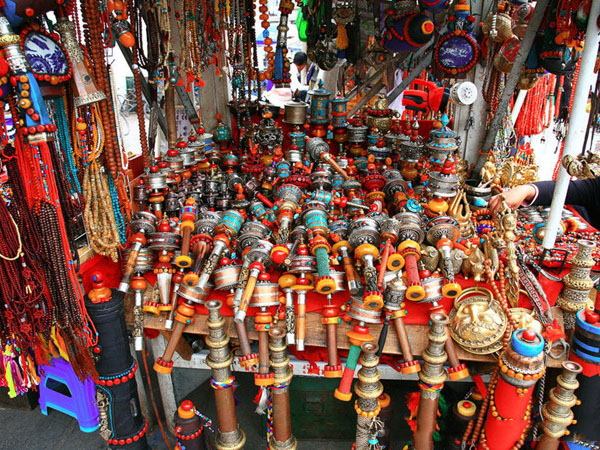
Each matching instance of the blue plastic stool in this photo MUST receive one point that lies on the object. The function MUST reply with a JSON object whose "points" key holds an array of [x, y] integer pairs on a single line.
{"points": [[80, 405]]}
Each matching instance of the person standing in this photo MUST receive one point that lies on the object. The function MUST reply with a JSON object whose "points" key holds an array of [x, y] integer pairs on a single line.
{"points": [[301, 74]]}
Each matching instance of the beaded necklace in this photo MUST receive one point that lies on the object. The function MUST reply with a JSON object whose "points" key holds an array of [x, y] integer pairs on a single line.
{"points": [[65, 143], [139, 102]]}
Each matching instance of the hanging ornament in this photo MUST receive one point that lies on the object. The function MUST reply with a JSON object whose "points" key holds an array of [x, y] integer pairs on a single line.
{"points": [[498, 25], [434, 5], [48, 59], [343, 14], [505, 58], [457, 51], [406, 28]]}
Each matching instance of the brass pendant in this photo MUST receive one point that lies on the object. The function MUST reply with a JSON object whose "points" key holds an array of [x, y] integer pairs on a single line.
{"points": [[477, 324]]}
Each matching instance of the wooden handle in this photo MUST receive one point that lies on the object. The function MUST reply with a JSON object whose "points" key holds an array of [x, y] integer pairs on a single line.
{"points": [[382, 269], [403, 339], [301, 321], [248, 291], [185, 241], [451, 352], [332, 354], [131, 262], [411, 269], [243, 338], [333, 163], [351, 275]]}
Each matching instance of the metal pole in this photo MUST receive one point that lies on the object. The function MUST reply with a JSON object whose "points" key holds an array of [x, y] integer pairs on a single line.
{"points": [[577, 123], [512, 80], [514, 115], [394, 93]]}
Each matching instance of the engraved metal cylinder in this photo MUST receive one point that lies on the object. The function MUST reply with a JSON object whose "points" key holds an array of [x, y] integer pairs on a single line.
{"points": [[434, 356], [557, 414], [368, 389], [156, 180], [294, 112], [364, 230], [226, 277], [229, 435], [265, 294], [575, 295], [358, 312]]}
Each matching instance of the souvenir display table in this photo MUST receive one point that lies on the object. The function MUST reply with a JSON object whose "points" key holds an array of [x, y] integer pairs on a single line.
{"points": [[366, 209]]}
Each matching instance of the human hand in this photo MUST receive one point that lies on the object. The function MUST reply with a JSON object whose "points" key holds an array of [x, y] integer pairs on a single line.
{"points": [[513, 198]]}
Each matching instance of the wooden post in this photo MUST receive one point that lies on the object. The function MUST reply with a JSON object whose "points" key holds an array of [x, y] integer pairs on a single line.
{"points": [[511, 82]]}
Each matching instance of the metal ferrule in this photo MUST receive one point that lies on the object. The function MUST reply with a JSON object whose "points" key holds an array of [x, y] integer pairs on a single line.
{"points": [[242, 281], [220, 357], [434, 356], [359, 313], [211, 263], [226, 277], [557, 414], [265, 294], [368, 388], [279, 359], [164, 240], [193, 294], [156, 180]]}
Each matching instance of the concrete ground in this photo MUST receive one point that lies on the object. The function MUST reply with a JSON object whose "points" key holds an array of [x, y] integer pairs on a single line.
{"points": [[318, 422]]}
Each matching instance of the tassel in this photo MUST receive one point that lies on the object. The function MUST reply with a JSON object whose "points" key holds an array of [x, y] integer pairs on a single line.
{"points": [[278, 69], [412, 403], [261, 400], [342, 41], [60, 343], [554, 332], [8, 377]]}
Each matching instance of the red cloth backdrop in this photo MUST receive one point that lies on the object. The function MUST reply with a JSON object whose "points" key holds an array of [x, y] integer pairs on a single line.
{"points": [[418, 313]]}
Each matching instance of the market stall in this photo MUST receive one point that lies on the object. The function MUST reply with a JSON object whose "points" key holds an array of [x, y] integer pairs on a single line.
{"points": [[177, 185]]}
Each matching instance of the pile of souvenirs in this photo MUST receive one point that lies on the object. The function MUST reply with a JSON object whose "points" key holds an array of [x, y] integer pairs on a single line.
{"points": [[366, 220]]}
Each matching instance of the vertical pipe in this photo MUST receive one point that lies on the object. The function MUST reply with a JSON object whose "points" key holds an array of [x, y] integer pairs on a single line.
{"points": [[432, 378], [577, 123], [229, 435], [518, 105], [171, 116]]}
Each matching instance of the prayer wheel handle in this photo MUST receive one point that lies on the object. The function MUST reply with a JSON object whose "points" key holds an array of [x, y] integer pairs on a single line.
{"points": [[411, 251], [187, 226], [343, 249], [256, 268], [320, 249], [368, 253], [138, 240], [451, 289]]}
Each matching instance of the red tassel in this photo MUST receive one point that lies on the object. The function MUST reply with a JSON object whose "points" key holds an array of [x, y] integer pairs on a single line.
{"points": [[412, 403], [554, 332], [257, 397]]}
